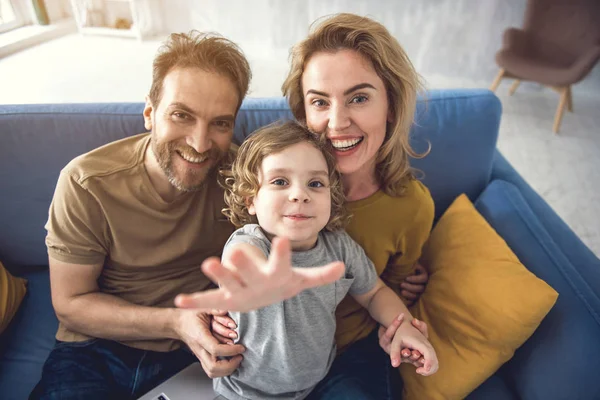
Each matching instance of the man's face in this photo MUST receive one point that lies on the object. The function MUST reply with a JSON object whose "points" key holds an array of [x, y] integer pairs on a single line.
{"points": [[192, 126]]}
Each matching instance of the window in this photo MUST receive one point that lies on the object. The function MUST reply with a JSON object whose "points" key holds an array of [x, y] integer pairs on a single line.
{"points": [[9, 16]]}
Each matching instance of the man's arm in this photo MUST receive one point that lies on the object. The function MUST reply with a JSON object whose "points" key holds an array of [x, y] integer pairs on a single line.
{"points": [[81, 307]]}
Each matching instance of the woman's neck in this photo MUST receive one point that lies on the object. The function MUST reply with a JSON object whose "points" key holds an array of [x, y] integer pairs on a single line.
{"points": [[360, 184]]}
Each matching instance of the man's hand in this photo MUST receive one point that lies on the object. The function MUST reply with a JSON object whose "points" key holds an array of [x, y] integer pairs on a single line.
{"points": [[413, 286], [193, 328], [248, 283]]}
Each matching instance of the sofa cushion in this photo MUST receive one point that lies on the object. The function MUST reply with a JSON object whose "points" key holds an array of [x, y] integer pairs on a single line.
{"points": [[481, 304], [38, 141], [12, 291], [561, 360], [28, 340]]}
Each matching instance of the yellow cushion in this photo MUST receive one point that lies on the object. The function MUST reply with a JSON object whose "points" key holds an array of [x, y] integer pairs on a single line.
{"points": [[481, 304], [12, 291]]}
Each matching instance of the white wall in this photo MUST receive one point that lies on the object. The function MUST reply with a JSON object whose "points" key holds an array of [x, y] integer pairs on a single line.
{"points": [[449, 38]]}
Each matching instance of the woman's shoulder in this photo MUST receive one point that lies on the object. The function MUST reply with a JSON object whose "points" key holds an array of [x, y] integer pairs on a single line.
{"points": [[413, 207], [415, 198]]}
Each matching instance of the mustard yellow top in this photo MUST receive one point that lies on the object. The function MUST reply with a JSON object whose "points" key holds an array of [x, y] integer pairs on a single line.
{"points": [[392, 231]]}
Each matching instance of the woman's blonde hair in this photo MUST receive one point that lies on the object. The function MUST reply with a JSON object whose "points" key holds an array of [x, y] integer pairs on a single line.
{"points": [[241, 179], [207, 51], [402, 82]]}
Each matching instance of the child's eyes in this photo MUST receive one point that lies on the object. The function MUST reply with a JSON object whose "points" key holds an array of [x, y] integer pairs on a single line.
{"points": [[316, 184], [279, 182]]}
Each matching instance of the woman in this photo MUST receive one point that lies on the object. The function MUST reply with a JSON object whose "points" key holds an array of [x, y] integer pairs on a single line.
{"points": [[352, 82]]}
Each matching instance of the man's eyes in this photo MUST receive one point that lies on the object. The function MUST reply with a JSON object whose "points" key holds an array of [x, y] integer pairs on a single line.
{"points": [[224, 124], [181, 115]]}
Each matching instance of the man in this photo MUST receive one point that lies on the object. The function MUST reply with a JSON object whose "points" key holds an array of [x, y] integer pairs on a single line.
{"points": [[129, 225]]}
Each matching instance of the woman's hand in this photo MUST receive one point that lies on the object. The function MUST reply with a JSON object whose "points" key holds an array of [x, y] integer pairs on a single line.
{"points": [[407, 355], [408, 336], [413, 286]]}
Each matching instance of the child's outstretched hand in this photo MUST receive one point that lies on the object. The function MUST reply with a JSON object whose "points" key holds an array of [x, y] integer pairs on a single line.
{"points": [[250, 282]]}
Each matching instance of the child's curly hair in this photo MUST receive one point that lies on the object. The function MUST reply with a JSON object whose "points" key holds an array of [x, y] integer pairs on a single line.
{"points": [[240, 180]]}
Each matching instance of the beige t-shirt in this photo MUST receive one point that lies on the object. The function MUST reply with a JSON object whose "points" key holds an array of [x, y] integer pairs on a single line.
{"points": [[105, 210]]}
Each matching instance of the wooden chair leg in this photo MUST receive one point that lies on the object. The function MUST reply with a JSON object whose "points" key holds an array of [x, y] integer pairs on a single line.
{"points": [[497, 80], [570, 100], [564, 98], [514, 86]]}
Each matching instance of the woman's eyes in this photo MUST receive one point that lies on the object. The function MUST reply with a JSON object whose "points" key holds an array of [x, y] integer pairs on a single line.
{"points": [[319, 103], [359, 99]]}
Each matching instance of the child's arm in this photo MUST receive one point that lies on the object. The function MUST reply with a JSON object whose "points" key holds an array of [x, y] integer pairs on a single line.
{"points": [[385, 306]]}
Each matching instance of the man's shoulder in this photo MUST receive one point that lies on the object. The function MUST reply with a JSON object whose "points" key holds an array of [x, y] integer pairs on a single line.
{"points": [[108, 159]]}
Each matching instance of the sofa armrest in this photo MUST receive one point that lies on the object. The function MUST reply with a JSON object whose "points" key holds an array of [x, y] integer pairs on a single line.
{"points": [[579, 255]]}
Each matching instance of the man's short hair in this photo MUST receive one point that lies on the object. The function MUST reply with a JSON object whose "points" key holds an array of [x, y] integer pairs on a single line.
{"points": [[207, 51]]}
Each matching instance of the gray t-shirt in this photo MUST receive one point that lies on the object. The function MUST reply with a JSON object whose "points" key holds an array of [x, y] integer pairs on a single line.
{"points": [[290, 345]]}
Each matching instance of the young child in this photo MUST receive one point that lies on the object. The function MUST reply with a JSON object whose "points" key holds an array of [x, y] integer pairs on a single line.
{"points": [[285, 179]]}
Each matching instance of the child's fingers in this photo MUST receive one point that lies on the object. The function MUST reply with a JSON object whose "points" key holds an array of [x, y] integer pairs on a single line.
{"points": [[430, 365], [222, 339], [225, 321], [415, 355], [220, 275], [222, 330]]}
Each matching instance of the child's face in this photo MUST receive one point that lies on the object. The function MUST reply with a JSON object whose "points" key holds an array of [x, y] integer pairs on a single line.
{"points": [[294, 199]]}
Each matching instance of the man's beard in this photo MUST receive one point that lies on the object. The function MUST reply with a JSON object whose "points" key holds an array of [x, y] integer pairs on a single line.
{"points": [[189, 180]]}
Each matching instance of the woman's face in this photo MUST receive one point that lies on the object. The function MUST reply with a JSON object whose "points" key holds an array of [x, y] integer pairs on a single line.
{"points": [[345, 100]]}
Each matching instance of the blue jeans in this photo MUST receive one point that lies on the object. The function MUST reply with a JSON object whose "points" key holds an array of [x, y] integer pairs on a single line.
{"points": [[364, 371], [104, 369]]}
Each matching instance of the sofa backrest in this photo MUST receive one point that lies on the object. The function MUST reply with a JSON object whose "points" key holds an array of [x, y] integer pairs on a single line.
{"points": [[37, 141]]}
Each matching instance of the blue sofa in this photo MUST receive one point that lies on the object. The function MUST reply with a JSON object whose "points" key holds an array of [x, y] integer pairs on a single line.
{"points": [[560, 361]]}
